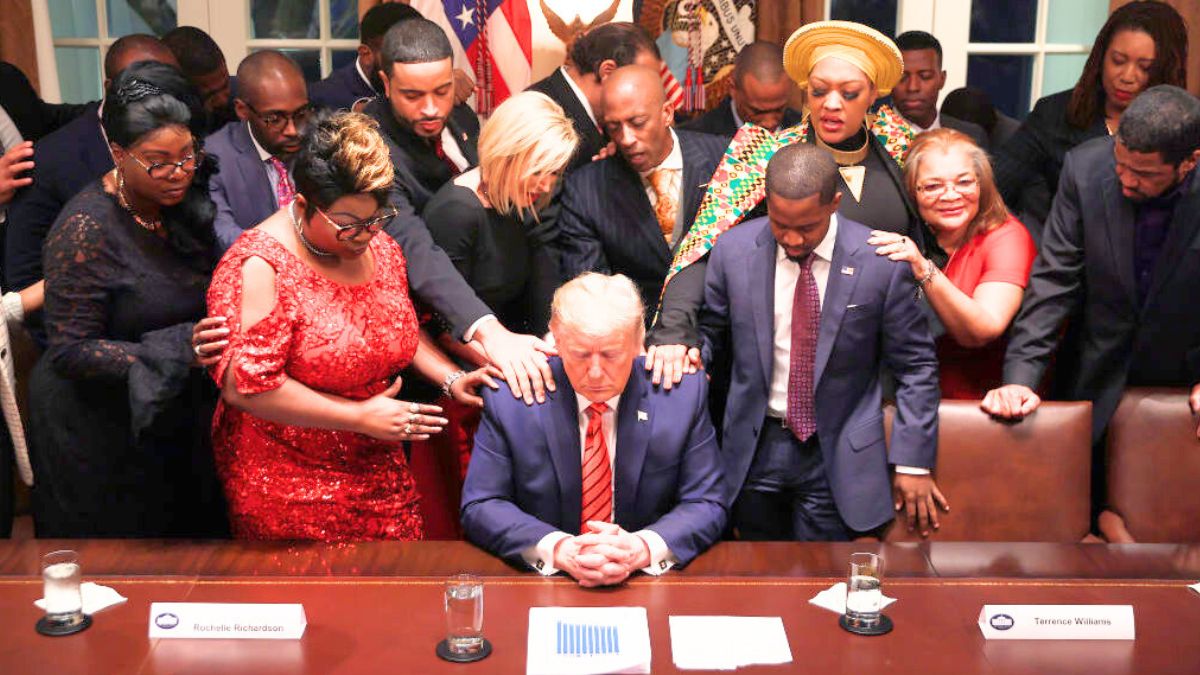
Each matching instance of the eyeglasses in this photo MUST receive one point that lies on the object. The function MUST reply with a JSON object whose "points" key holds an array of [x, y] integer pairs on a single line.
{"points": [[276, 120], [163, 170], [935, 190], [371, 225]]}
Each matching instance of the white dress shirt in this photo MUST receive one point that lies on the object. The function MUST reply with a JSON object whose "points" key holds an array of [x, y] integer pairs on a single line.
{"points": [[787, 273], [673, 162], [272, 174], [937, 124], [541, 556], [453, 151], [583, 100]]}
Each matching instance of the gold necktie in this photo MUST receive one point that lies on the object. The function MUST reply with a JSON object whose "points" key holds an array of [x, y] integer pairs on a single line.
{"points": [[666, 205]]}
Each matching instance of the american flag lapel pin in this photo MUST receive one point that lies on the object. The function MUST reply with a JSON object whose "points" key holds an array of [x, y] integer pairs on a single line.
{"points": [[642, 416], [848, 271]]}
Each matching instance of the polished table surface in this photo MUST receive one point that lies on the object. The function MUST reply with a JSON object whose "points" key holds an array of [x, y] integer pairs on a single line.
{"points": [[376, 607]]}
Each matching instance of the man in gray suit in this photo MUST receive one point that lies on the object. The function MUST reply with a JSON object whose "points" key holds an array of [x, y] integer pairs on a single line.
{"points": [[255, 153], [809, 313]]}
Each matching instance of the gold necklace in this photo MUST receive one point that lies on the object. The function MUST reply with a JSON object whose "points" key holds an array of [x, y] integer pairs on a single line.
{"points": [[149, 225], [845, 157]]}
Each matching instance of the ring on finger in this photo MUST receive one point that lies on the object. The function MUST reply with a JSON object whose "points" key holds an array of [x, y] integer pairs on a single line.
{"points": [[196, 348], [413, 408], [408, 428]]}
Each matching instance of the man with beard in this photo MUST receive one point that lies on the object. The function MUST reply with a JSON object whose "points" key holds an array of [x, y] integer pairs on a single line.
{"points": [[432, 140], [359, 79], [255, 153], [203, 65], [1119, 255]]}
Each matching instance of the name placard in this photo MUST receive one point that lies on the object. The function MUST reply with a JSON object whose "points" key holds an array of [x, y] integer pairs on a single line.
{"points": [[227, 620], [1057, 622]]}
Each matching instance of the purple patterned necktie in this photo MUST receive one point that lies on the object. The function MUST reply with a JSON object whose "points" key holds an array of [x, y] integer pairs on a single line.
{"points": [[806, 321], [285, 193]]}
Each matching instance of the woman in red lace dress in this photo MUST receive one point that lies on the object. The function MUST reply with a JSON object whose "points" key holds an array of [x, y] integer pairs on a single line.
{"points": [[308, 437]]}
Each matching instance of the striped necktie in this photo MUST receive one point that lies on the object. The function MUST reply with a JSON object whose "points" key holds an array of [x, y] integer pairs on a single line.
{"points": [[597, 470]]}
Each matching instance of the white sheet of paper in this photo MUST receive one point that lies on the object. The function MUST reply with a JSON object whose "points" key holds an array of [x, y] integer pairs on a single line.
{"points": [[727, 642], [95, 598], [587, 641], [834, 599]]}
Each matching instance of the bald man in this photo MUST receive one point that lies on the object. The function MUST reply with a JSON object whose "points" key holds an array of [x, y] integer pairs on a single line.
{"points": [[758, 94], [255, 153], [65, 161], [627, 213]]}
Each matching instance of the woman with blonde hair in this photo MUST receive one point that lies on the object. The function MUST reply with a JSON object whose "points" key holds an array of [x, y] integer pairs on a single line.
{"points": [[979, 291], [484, 218], [308, 437]]}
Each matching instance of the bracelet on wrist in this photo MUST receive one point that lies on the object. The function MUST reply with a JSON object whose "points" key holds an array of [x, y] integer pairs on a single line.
{"points": [[451, 379]]}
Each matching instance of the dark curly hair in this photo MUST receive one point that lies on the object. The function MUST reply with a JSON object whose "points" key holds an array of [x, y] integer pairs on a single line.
{"points": [[1158, 20], [148, 96], [342, 153]]}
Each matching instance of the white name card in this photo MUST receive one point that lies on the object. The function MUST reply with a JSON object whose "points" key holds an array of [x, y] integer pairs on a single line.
{"points": [[227, 620], [1057, 622]]}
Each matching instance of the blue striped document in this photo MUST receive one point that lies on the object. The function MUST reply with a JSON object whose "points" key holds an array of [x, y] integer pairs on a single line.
{"points": [[586, 640]]}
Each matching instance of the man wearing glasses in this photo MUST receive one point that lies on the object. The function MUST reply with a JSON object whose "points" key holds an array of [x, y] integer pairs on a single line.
{"points": [[255, 154]]}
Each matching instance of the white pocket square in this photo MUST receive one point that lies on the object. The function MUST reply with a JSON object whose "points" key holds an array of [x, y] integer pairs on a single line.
{"points": [[852, 306]]}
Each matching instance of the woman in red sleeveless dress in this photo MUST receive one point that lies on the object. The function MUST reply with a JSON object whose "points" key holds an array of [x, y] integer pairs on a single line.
{"points": [[307, 438]]}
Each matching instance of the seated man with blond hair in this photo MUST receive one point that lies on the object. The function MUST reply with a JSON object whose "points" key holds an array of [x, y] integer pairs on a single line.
{"points": [[610, 475]]}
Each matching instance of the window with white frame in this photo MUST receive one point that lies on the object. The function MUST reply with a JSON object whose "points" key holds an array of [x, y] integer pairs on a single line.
{"points": [[83, 30], [320, 35]]}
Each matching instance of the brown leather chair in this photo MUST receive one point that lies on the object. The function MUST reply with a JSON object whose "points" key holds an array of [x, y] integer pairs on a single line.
{"points": [[1153, 469], [1024, 481]]}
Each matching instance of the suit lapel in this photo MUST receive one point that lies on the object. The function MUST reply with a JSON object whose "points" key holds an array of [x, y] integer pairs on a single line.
{"points": [[462, 137], [253, 175], [575, 110], [762, 293], [561, 414], [1182, 232], [1119, 224], [643, 216], [633, 435], [838, 290], [693, 184]]}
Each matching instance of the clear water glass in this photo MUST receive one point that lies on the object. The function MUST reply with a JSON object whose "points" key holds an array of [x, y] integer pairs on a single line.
{"points": [[61, 576], [864, 592], [464, 614]]}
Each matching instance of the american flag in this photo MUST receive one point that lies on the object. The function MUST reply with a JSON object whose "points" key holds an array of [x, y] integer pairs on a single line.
{"points": [[502, 59]]}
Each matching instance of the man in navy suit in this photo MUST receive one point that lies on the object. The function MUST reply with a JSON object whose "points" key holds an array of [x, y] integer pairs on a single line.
{"points": [[360, 78], [627, 213], [758, 94], [255, 154], [65, 161], [810, 313], [610, 475], [203, 64]]}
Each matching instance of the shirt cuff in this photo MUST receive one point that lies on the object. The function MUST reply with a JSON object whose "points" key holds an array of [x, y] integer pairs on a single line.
{"points": [[540, 556], [13, 309], [912, 470], [470, 334], [661, 558]]}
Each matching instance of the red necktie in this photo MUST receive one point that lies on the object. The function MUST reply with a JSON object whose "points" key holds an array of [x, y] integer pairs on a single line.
{"points": [[806, 322], [441, 153], [284, 191], [597, 471]]}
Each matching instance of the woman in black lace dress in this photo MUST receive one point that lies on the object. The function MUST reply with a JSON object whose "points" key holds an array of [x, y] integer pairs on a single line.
{"points": [[120, 409]]}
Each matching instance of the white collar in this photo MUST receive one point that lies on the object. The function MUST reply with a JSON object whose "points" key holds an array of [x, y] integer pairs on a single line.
{"points": [[673, 160], [824, 250], [937, 124], [262, 153], [587, 107], [584, 402], [361, 74]]}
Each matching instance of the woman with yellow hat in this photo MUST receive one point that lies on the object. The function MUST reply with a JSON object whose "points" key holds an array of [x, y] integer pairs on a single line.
{"points": [[843, 67]]}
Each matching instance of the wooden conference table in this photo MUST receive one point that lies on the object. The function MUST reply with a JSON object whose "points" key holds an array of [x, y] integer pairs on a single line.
{"points": [[377, 607]]}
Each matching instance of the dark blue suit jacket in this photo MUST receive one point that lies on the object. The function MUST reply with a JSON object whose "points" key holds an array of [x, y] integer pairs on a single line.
{"points": [[66, 161], [340, 90], [241, 189], [525, 479], [607, 224], [869, 318]]}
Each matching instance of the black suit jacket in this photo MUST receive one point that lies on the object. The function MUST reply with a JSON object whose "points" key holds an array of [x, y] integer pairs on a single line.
{"points": [[66, 161], [1029, 163], [720, 120], [340, 90], [608, 225], [33, 116], [1086, 263], [419, 171], [972, 130], [590, 138]]}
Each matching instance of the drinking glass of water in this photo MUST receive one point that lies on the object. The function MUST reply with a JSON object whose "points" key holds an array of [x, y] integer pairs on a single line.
{"points": [[464, 615], [61, 576], [864, 595]]}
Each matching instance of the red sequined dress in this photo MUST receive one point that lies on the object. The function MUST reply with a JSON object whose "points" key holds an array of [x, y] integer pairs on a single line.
{"points": [[291, 482]]}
